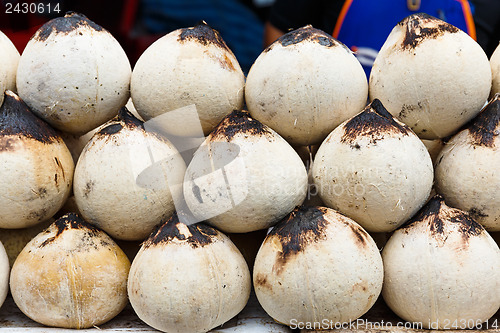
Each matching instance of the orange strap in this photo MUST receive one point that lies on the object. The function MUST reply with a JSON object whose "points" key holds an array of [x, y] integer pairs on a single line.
{"points": [[469, 20], [340, 19]]}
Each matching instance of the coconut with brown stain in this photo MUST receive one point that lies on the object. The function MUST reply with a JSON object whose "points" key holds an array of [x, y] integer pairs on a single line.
{"points": [[127, 179], [9, 59], [35, 164], [74, 74], [244, 177], [374, 169], [188, 278], [442, 267], [467, 169], [304, 85], [4, 274], [317, 265], [431, 75], [188, 66], [71, 275]]}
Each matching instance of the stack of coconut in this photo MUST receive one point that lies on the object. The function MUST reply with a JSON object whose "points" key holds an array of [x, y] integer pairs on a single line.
{"points": [[322, 163]]}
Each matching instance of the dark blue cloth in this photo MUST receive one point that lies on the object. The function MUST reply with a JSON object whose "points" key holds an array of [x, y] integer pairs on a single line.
{"points": [[239, 26]]}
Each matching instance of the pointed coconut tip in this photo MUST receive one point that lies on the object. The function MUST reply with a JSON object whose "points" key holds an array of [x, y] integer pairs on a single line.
{"points": [[70, 22], [124, 118], [173, 230], [374, 121], [239, 122], [421, 27], [306, 34], [443, 220], [70, 221], [203, 34], [16, 119], [484, 130], [307, 225]]}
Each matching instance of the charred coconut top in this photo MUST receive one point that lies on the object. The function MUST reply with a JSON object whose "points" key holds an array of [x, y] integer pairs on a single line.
{"points": [[486, 126], [421, 26], [441, 219], [373, 122], [204, 34], [307, 33], [73, 221], [196, 235], [239, 122], [124, 119], [64, 25], [303, 225], [16, 119]]}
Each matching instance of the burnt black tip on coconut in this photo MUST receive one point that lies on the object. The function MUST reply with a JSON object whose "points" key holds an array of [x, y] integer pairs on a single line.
{"points": [[124, 118], [436, 213], [374, 121], [71, 221], [486, 126], [421, 26], [63, 25], [203, 34], [16, 119], [239, 122], [307, 33], [200, 234], [302, 226]]}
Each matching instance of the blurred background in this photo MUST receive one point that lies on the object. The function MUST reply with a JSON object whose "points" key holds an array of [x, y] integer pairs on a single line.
{"points": [[247, 26]]}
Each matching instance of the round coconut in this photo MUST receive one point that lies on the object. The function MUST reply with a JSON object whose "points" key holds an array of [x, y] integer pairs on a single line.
{"points": [[35, 164], [374, 169], [467, 169], [244, 177], [74, 74], [304, 85], [4, 274], [495, 70], [440, 264], [188, 66], [71, 275], [317, 265], [431, 75], [127, 179], [9, 58], [188, 278]]}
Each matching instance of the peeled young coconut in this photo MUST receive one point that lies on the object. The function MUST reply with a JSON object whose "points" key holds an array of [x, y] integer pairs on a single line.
{"points": [[244, 177], [188, 66], [35, 164], [495, 70], [9, 58], [127, 179], [317, 265], [431, 75], [442, 267], [468, 168], [4, 274], [304, 85], [188, 278], [374, 169], [71, 275], [74, 74]]}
